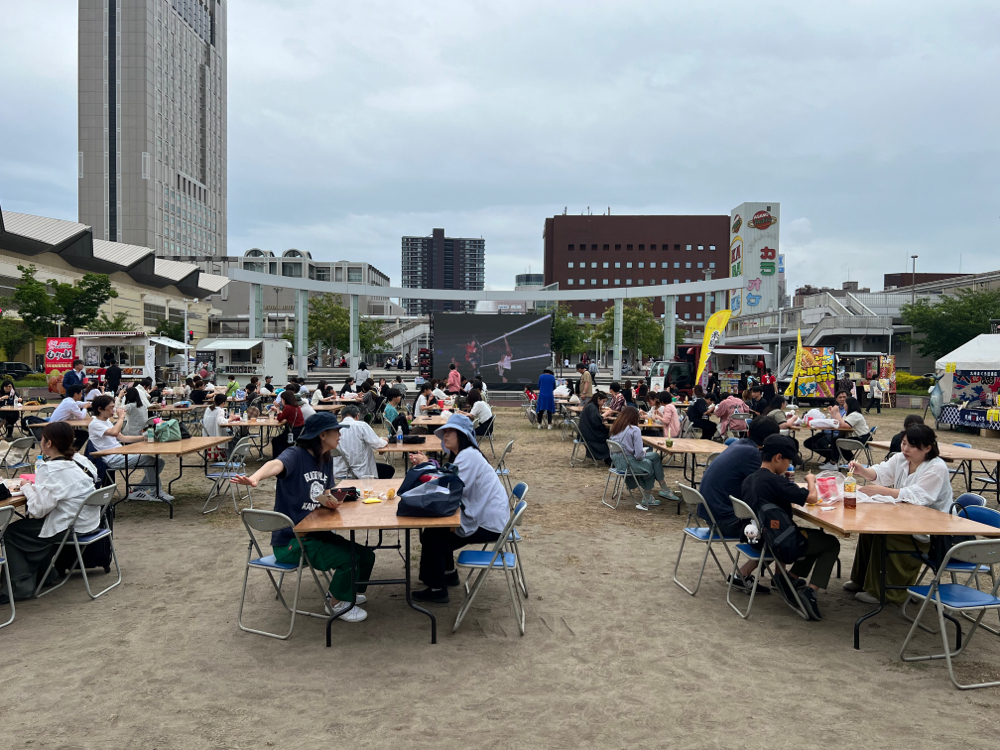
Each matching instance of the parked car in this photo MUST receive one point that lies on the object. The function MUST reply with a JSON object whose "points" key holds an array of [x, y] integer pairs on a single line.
{"points": [[14, 370]]}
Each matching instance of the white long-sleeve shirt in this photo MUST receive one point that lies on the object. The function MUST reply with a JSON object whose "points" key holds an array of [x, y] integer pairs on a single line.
{"points": [[59, 490], [357, 447], [929, 485], [68, 409], [484, 499]]}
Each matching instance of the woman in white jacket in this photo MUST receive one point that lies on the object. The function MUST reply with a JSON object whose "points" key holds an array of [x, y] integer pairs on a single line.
{"points": [[917, 476], [62, 482]]}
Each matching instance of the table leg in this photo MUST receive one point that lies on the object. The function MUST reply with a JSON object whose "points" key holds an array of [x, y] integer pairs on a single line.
{"points": [[409, 600], [883, 563], [354, 595]]}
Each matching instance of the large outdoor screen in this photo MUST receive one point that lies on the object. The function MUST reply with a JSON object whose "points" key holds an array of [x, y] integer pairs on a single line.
{"points": [[505, 350]]}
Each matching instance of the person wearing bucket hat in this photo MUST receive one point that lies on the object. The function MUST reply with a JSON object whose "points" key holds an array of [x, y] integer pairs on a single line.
{"points": [[485, 510], [768, 485], [305, 477]]}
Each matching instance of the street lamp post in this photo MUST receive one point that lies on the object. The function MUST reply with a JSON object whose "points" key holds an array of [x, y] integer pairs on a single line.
{"points": [[913, 301]]}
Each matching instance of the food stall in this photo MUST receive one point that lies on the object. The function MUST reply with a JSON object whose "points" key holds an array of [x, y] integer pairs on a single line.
{"points": [[864, 367], [969, 382], [242, 358], [728, 362], [140, 355]]}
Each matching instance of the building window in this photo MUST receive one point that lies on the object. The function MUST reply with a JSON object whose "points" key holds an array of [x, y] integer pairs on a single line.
{"points": [[606, 247], [687, 316], [571, 248], [712, 264], [594, 282], [581, 316], [676, 264], [628, 247], [677, 281], [687, 281], [593, 265], [354, 275], [628, 265], [618, 247], [711, 248], [643, 265], [569, 265], [605, 264], [697, 316], [593, 315], [640, 282], [701, 265], [618, 282], [605, 282], [652, 265], [688, 247], [322, 274], [687, 297], [701, 248], [688, 264], [176, 316], [339, 274], [663, 281], [628, 282], [291, 270], [582, 282], [153, 314], [652, 247], [642, 247], [569, 282], [618, 265], [699, 298]]}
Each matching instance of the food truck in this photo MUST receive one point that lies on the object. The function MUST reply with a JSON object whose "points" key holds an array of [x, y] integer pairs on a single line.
{"points": [[217, 359], [139, 355]]}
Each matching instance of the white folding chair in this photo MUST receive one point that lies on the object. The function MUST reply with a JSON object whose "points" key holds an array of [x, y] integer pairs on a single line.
{"points": [[621, 476], [21, 450], [501, 468], [102, 499], [5, 515], [706, 535], [234, 465], [488, 434], [498, 558], [267, 521], [765, 558], [739, 424], [957, 597], [578, 441], [854, 447]]}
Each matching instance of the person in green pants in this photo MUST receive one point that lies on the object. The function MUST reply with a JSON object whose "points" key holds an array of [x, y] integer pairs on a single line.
{"points": [[305, 473]]}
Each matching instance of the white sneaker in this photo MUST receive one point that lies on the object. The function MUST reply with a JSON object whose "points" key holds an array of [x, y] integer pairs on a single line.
{"points": [[550, 426], [354, 614], [864, 596], [165, 497], [539, 425], [828, 467], [140, 495], [360, 599]]}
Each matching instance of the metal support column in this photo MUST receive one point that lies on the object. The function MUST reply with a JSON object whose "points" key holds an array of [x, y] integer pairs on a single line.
{"points": [[302, 332], [616, 371], [669, 327], [355, 355], [256, 311]]}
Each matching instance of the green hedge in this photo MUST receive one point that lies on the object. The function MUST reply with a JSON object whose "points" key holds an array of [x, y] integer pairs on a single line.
{"points": [[907, 383], [32, 381]]}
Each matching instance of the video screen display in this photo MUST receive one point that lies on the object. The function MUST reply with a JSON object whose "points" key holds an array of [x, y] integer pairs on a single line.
{"points": [[504, 350]]}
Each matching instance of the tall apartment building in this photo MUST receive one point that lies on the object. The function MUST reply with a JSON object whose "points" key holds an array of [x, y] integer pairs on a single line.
{"points": [[152, 124], [598, 253], [439, 262]]}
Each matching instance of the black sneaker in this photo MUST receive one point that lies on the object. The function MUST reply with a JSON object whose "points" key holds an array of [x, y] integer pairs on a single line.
{"points": [[800, 583], [808, 597], [432, 596], [762, 588], [452, 579]]}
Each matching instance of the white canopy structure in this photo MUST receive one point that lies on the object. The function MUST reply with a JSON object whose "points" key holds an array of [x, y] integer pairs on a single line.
{"points": [[981, 355]]}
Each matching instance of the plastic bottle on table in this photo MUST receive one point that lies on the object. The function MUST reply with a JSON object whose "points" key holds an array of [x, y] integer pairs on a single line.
{"points": [[399, 435], [149, 435], [850, 490]]}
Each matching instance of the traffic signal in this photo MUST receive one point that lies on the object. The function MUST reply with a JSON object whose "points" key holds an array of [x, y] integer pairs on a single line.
{"points": [[190, 336]]}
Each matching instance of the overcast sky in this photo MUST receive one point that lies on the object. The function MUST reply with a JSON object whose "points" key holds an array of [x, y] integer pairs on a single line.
{"points": [[875, 125]]}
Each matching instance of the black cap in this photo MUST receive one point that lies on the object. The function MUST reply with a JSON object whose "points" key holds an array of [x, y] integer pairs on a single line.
{"points": [[319, 423], [783, 444]]}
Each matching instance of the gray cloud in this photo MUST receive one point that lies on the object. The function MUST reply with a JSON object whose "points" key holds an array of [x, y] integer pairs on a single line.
{"points": [[874, 124]]}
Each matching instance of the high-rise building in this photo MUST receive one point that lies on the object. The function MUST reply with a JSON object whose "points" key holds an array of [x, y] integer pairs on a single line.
{"points": [[439, 262], [152, 124], [601, 253]]}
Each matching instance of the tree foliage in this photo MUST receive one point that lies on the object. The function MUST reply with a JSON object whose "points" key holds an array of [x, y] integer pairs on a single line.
{"points": [[330, 321], [567, 334], [640, 328], [72, 305], [951, 322], [171, 330], [14, 336], [121, 322]]}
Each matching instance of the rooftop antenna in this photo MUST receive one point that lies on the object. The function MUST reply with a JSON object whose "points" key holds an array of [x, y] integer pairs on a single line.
{"points": [[609, 210], [565, 209]]}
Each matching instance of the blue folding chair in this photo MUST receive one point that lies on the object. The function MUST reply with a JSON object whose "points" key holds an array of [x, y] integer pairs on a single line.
{"points": [[707, 535], [957, 597], [20, 447]]}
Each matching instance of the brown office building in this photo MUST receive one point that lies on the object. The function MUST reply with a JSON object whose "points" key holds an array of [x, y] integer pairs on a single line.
{"points": [[598, 253]]}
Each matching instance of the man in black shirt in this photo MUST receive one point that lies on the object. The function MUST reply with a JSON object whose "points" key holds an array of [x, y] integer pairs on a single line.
{"points": [[698, 414], [757, 402], [114, 377], [769, 485]]}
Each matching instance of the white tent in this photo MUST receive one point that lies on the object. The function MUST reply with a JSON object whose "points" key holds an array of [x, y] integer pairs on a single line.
{"points": [[979, 355]]}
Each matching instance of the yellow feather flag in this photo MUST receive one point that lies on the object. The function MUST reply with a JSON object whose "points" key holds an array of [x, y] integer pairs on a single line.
{"points": [[713, 333], [790, 390]]}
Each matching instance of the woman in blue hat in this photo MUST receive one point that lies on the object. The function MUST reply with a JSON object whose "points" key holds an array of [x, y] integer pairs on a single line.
{"points": [[305, 475], [485, 510]]}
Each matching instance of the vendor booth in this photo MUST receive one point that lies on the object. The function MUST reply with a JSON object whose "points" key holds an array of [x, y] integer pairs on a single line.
{"points": [[862, 368], [728, 362], [140, 355], [970, 380], [219, 358]]}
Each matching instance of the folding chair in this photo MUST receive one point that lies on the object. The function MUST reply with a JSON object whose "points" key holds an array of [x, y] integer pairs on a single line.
{"points": [[956, 597], [854, 447], [234, 465], [577, 442], [514, 539], [498, 558], [701, 534], [621, 476], [100, 498], [739, 424], [501, 468], [5, 515], [983, 476], [488, 433], [266, 521], [24, 444], [765, 558]]}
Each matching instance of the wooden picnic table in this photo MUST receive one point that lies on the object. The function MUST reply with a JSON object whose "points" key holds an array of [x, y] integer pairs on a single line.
{"points": [[178, 448], [685, 447], [360, 516], [329, 407], [34, 407], [431, 446], [438, 420], [882, 519]]}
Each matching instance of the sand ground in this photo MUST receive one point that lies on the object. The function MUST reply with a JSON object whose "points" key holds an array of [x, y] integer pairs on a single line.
{"points": [[615, 655]]}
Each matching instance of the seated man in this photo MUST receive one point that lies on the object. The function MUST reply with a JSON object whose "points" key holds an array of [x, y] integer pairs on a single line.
{"points": [[896, 444], [107, 436], [769, 485], [198, 393], [757, 402], [724, 477], [71, 407], [393, 416], [357, 449], [699, 411]]}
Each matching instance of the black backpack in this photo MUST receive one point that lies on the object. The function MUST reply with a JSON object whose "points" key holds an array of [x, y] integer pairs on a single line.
{"points": [[781, 534]]}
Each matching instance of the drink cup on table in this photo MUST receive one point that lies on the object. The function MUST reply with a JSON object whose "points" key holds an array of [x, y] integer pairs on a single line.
{"points": [[367, 486]]}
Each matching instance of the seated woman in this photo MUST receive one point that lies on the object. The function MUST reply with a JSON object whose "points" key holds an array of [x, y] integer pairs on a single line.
{"points": [[291, 414], [625, 432], [617, 402], [305, 472], [918, 476], [663, 411], [92, 391], [725, 410], [62, 482], [485, 510], [628, 393], [852, 425], [593, 429], [394, 415], [8, 397], [479, 411], [776, 410]]}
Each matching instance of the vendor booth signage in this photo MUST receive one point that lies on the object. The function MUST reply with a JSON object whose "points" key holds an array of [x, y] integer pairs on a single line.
{"points": [[815, 376], [59, 356]]}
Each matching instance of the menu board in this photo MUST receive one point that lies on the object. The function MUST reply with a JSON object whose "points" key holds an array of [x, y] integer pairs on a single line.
{"points": [[816, 377]]}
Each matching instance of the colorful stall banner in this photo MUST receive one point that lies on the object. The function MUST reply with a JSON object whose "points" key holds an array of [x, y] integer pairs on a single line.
{"points": [[713, 335], [59, 356], [887, 371], [815, 372], [790, 390], [976, 386]]}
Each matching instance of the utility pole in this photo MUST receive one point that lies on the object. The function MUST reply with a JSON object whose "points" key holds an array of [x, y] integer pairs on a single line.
{"points": [[913, 301]]}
